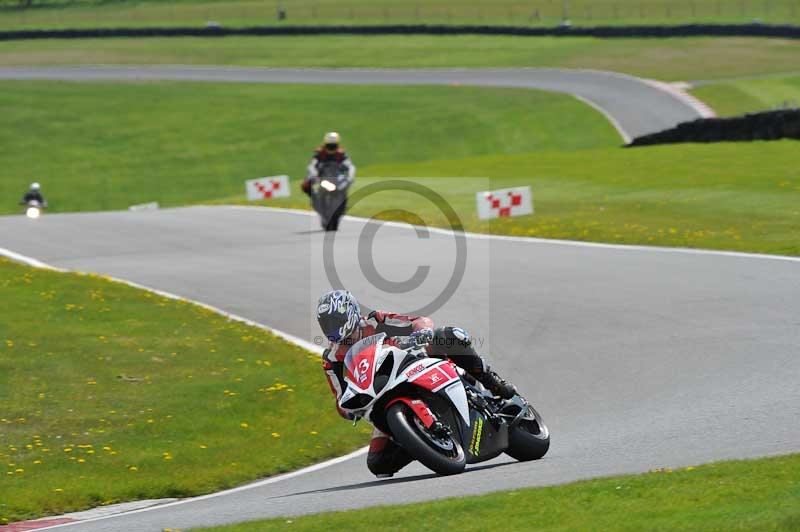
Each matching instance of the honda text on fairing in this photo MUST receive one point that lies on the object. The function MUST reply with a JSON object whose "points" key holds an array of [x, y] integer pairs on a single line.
{"points": [[433, 410]]}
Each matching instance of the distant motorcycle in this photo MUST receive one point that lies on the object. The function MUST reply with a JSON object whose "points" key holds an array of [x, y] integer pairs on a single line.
{"points": [[34, 208], [434, 411], [329, 194]]}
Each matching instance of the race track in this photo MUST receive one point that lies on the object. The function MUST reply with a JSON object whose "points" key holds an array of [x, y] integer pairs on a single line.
{"points": [[634, 106], [638, 358]]}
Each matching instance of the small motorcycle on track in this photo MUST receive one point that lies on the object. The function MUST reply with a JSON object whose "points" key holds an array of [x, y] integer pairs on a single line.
{"points": [[329, 195], [432, 410]]}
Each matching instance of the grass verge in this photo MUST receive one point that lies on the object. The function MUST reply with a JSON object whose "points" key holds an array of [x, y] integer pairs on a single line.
{"points": [[668, 59], [739, 96], [82, 13], [109, 393], [737, 495], [728, 196], [108, 146]]}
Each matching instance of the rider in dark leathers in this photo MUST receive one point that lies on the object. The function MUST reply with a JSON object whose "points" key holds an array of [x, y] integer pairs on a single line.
{"points": [[329, 152], [34, 193], [338, 314]]}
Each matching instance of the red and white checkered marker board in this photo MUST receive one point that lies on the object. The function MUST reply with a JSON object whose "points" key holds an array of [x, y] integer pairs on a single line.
{"points": [[506, 202], [267, 187]]}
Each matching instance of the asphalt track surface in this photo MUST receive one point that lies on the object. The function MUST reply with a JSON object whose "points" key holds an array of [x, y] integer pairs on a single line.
{"points": [[638, 358], [633, 105]]}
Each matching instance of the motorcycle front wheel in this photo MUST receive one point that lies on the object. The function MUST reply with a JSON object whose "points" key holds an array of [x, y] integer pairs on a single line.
{"points": [[444, 456], [530, 439]]}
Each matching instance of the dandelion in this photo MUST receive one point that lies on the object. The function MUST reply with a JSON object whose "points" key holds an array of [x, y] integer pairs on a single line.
{"points": [[276, 435], [133, 468], [58, 490], [81, 460], [244, 425], [203, 446]]}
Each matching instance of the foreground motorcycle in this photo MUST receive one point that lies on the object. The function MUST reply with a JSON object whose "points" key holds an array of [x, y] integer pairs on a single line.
{"points": [[328, 194], [432, 410], [34, 208]]}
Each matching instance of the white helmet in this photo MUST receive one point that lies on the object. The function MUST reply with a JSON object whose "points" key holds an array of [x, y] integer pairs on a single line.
{"points": [[331, 137], [35, 186]]}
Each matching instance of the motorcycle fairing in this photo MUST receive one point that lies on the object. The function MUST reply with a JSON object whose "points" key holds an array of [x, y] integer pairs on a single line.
{"points": [[360, 363], [367, 357], [443, 376], [485, 439]]}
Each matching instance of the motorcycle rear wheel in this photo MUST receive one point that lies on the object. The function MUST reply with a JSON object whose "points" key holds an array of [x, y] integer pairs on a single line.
{"points": [[529, 440], [438, 455]]}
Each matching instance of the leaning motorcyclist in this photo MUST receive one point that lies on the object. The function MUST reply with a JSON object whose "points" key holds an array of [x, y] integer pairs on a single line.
{"points": [[339, 316], [34, 193]]}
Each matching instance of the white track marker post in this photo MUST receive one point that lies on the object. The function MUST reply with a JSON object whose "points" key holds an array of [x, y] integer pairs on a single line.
{"points": [[267, 187], [505, 202]]}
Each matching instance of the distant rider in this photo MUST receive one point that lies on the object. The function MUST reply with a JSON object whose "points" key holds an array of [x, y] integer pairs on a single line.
{"points": [[339, 317], [34, 193], [330, 152]]}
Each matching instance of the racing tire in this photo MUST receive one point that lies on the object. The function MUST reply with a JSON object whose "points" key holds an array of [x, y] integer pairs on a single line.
{"points": [[530, 439], [410, 435]]}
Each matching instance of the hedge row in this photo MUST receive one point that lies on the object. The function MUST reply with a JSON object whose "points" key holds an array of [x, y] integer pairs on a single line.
{"points": [[769, 125], [727, 30]]}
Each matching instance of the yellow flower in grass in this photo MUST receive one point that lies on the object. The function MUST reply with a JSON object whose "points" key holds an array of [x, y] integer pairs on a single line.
{"points": [[276, 435], [244, 425]]}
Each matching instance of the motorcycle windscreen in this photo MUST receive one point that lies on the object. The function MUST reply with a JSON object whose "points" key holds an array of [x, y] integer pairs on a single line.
{"points": [[359, 362]]}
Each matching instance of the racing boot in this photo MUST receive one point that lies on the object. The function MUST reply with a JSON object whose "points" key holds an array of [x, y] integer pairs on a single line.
{"points": [[496, 385]]}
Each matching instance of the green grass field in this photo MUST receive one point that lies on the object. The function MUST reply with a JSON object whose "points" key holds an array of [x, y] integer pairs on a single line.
{"points": [[108, 146], [110, 393], [734, 196], [739, 495], [249, 12], [667, 59], [739, 96], [112, 145]]}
